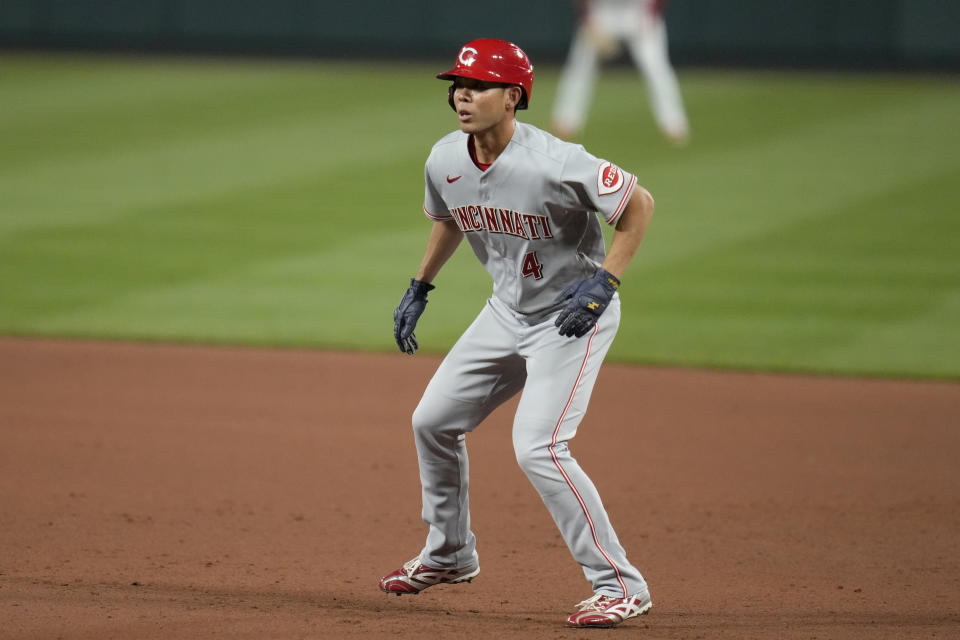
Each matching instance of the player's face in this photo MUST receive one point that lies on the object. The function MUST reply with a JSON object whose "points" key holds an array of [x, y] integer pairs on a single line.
{"points": [[482, 105]]}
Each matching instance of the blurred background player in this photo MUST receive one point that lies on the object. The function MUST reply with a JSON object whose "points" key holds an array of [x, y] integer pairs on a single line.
{"points": [[604, 27]]}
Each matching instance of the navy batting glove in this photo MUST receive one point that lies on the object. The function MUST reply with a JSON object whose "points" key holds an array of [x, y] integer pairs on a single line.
{"points": [[407, 313], [587, 299]]}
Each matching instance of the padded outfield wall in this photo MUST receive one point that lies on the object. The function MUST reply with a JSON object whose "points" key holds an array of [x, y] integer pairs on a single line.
{"points": [[875, 33]]}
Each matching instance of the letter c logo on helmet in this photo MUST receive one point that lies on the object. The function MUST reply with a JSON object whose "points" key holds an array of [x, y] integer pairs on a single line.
{"points": [[492, 60], [468, 55]]}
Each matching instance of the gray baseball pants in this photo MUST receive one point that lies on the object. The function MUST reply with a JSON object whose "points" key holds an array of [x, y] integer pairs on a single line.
{"points": [[502, 354]]}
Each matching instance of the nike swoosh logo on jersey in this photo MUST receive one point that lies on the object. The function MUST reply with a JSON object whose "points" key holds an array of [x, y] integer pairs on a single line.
{"points": [[454, 179]]}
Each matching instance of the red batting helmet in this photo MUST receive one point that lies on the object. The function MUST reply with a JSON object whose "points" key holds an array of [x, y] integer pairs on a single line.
{"points": [[492, 60]]}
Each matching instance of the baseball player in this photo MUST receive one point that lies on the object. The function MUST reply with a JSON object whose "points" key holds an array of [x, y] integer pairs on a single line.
{"points": [[528, 205], [604, 26]]}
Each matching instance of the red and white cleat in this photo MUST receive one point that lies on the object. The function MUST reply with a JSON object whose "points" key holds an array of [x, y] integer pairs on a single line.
{"points": [[414, 577], [602, 611]]}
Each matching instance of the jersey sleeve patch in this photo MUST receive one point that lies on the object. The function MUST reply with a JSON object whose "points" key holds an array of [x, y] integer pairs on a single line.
{"points": [[609, 179]]}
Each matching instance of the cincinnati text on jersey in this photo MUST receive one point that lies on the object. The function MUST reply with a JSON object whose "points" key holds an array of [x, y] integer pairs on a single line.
{"points": [[523, 225]]}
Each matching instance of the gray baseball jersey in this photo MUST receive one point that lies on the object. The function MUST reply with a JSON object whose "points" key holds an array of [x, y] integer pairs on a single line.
{"points": [[531, 217]]}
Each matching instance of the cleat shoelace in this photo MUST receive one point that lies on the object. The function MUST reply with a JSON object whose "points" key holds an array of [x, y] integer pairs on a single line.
{"points": [[411, 566], [598, 602]]}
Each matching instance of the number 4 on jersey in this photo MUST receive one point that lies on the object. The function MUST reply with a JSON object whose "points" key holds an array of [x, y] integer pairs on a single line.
{"points": [[531, 266]]}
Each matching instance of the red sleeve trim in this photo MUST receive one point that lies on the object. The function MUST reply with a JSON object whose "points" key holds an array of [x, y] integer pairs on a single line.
{"points": [[436, 218], [623, 201]]}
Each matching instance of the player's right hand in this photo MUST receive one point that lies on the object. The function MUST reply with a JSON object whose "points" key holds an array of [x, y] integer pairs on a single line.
{"points": [[407, 313]]}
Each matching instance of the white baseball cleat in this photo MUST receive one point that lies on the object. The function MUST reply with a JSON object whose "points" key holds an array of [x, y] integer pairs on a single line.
{"points": [[414, 577], [603, 611]]}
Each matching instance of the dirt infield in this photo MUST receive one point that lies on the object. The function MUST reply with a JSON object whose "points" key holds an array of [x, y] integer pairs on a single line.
{"points": [[156, 491]]}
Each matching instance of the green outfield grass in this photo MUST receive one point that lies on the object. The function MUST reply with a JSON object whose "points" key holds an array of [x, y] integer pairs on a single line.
{"points": [[812, 225]]}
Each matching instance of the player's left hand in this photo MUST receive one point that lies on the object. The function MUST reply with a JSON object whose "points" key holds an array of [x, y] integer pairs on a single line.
{"points": [[587, 300], [407, 313]]}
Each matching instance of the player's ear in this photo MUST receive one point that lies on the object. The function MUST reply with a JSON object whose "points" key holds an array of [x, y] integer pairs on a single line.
{"points": [[514, 95]]}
